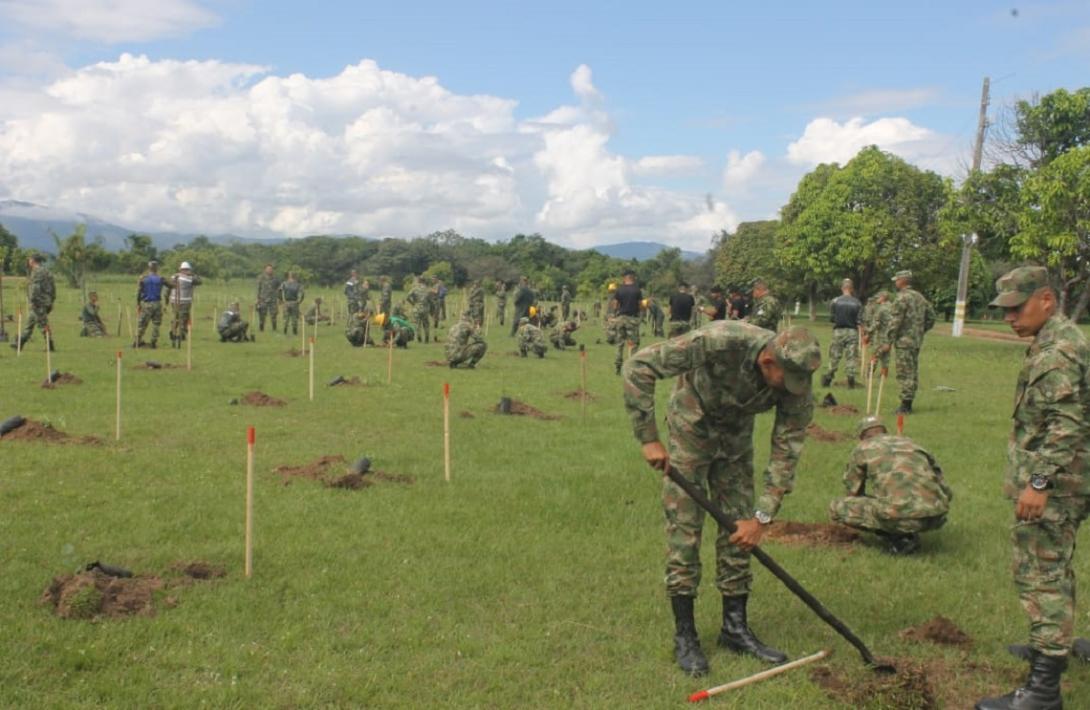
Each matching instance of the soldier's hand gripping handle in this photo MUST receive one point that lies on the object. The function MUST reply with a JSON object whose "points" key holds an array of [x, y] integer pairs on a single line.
{"points": [[654, 453]]}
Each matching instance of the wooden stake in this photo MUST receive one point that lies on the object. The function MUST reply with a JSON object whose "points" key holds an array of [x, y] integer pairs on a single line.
{"points": [[189, 345], [19, 335], [583, 380], [48, 355], [878, 404], [312, 369], [366, 331], [119, 319], [900, 424], [117, 414], [446, 431], [870, 384], [756, 677], [303, 333], [390, 359], [249, 568], [215, 330], [128, 321]]}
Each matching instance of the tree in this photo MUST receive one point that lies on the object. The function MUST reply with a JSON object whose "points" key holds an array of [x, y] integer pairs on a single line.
{"points": [[140, 251], [1052, 126], [990, 205], [1056, 225], [9, 243], [73, 257], [749, 253]]}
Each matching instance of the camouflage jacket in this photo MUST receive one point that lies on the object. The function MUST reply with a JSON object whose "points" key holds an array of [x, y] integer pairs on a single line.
{"points": [[899, 473], [89, 315], [910, 317], [766, 313], [268, 288], [385, 296], [501, 296], [565, 296], [475, 297], [876, 319], [530, 335], [1051, 432], [291, 292], [719, 390], [461, 334], [420, 297], [41, 292]]}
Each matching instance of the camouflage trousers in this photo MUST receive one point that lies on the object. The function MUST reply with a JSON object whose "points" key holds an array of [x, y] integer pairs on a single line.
{"points": [[719, 460], [501, 308], [470, 354], [423, 324], [182, 314], [908, 375], [266, 308], [627, 332], [236, 332], [561, 341], [875, 515], [291, 316], [679, 327], [845, 344], [476, 312], [565, 310], [150, 312], [1043, 550], [35, 317], [92, 329]]}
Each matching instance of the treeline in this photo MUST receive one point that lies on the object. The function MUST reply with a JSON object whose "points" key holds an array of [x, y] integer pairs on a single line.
{"points": [[877, 214]]}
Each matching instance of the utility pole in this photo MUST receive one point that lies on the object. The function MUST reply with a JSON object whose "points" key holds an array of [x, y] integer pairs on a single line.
{"points": [[968, 240]]}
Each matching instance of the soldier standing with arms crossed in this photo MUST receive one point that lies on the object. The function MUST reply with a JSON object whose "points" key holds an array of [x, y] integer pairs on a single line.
{"points": [[910, 317], [501, 301], [291, 293], [727, 372], [1048, 456]]}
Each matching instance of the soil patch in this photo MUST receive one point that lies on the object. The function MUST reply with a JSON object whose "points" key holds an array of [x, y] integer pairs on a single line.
{"points": [[199, 569], [92, 595], [155, 366], [525, 410], [825, 534], [842, 410], [436, 363], [316, 470], [39, 431], [351, 481], [64, 378], [819, 433], [466, 414], [296, 352], [330, 470], [260, 399], [348, 381], [578, 394], [939, 630]]}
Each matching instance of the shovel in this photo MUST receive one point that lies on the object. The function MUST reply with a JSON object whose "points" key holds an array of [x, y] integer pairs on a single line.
{"points": [[780, 573]]}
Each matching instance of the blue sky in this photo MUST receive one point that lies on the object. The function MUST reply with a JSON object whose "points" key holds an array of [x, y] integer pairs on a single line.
{"points": [[587, 122]]}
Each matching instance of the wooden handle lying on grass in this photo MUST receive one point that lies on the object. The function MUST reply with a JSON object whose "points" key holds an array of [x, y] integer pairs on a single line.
{"points": [[756, 677]]}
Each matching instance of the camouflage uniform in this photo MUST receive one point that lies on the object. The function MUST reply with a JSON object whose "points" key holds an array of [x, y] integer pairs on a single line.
{"points": [[719, 392], [658, 318], [565, 303], [501, 302], [268, 288], [180, 295], [894, 486], [767, 313], [291, 293], [420, 298], [844, 312], [876, 317], [232, 328], [561, 336], [93, 327], [531, 338], [41, 292], [356, 329], [385, 297], [314, 314], [910, 317], [351, 295], [626, 333], [475, 303], [465, 344], [149, 290]]}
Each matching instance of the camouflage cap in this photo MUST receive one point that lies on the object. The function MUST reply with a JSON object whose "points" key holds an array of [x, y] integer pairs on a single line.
{"points": [[1015, 287], [799, 354], [866, 424], [902, 274]]}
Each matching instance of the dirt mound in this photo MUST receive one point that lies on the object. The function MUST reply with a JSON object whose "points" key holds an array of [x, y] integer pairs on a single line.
{"points": [[827, 534], [199, 569], [260, 399], [91, 595], [907, 689], [296, 352], [525, 410], [332, 472], [64, 378], [842, 409], [403, 478], [351, 481], [316, 470], [347, 382], [155, 366], [578, 395], [466, 414], [819, 433], [939, 630], [39, 431]]}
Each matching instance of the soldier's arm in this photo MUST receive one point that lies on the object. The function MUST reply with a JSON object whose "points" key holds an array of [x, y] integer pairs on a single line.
{"points": [[657, 362], [793, 414], [855, 473], [1053, 397], [897, 312]]}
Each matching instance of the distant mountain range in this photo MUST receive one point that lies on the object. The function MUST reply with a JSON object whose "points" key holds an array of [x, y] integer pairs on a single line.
{"points": [[34, 225]]}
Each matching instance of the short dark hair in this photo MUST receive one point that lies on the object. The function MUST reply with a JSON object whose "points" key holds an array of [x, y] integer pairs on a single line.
{"points": [[628, 272]]}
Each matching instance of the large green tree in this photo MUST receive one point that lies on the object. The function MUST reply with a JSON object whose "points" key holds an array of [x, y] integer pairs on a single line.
{"points": [[1051, 126], [751, 252]]}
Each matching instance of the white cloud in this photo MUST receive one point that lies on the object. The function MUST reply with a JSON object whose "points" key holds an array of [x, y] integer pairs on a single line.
{"points": [[826, 141], [876, 101], [207, 146], [741, 168], [109, 21]]}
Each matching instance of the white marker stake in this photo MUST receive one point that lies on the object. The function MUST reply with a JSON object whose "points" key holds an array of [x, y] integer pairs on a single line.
{"points": [[312, 369], [48, 356], [303, 334], [249, 569], [189, 345], [19, 335], [583, 380], [878, 404], [870, 384], [117, 416], [446, 431], [390, 359]]}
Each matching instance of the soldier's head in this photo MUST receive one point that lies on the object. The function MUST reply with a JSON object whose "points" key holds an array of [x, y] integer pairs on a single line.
{"points": [[868, 427], [153, 266], [902, 279], [234, 307], [1027, 299], [355, 274], [882, 296], [92, 297], [383, 279], [318, 300], [185, 267], [269, 269], [683, 287], [628, 276], [34, 260], [759, 287], [366, 283], [847, 287], [716, 292], [291, 276], [789, 360]]}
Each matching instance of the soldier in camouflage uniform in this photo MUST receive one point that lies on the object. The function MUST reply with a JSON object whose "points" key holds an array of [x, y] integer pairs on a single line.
{"points": [[728, 372], [767, 311], [501, 301], [386, 295], [41, 292], [465, 344], [876, 317], [351, 293], [149, 294], [475, 302], [268, 291], [561, 335], [895, 489], [420, 299], [314, 314], [844, 312], [356, 329], [1048, 477], [565, 302], [910, 317], [626, 317], [291, 293], [231, 327], [180, 289], [657, 316], [93, 327], [530, 338]]}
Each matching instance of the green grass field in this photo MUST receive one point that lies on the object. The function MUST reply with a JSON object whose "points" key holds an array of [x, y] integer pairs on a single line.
{"points": [[533, 579]]}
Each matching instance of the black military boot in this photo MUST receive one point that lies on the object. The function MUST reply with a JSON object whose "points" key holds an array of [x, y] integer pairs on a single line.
{"points": [[826, 379], [905, 408], [906, 544], [687, 652], [1041, 690], [736, 634]]}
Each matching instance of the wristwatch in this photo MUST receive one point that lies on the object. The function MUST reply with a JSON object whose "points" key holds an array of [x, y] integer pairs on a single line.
{"points": [[1040, 482], [762, 517]]}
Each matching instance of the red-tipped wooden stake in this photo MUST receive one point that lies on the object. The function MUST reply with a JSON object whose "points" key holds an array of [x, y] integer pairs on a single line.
{"points": [[446, 431], [900, 424], [749, 680], [117, 416], [189, 345], [250, 437]]}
